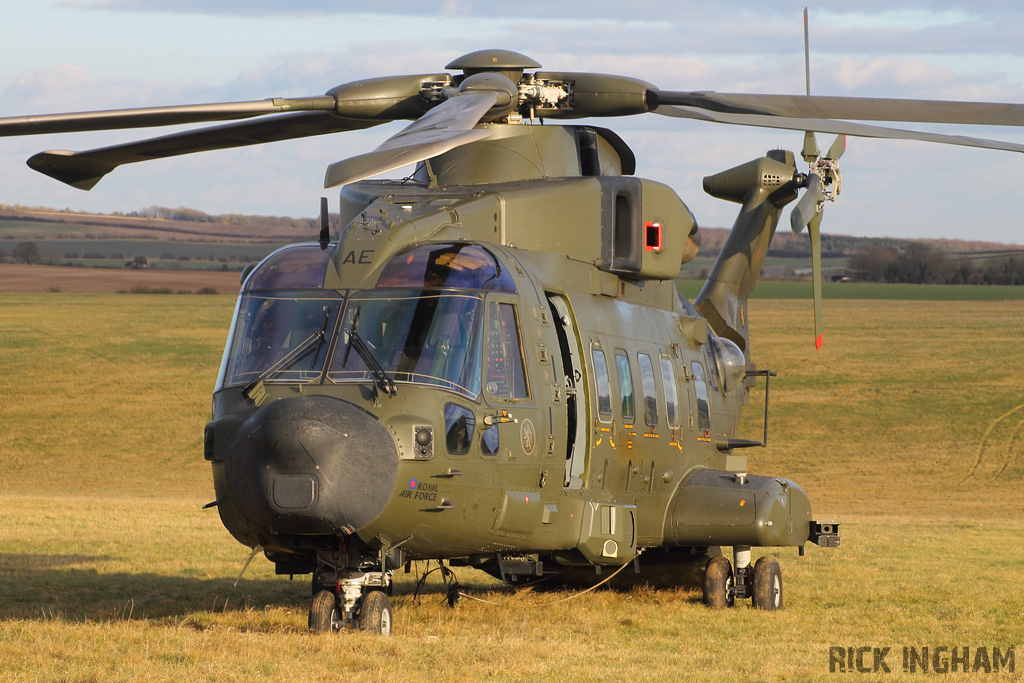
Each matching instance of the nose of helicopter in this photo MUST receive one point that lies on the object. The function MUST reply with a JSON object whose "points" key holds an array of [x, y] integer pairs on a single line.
{"points": [[311, 465]]}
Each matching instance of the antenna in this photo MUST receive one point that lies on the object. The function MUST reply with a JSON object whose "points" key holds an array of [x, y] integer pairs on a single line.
{"points": [[325, 224], [807, 55]]}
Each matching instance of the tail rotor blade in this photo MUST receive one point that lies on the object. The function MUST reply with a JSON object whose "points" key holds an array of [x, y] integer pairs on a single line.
{"points": [[810, 151], [837, 148], [814, 232], [807, 208]]}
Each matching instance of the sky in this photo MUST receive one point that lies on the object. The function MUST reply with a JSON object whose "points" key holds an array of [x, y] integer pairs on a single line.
{"points": [[80, 55]]}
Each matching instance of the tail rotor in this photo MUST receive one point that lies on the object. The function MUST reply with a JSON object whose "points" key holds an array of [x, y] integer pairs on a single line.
{"points": [[822, 183]]}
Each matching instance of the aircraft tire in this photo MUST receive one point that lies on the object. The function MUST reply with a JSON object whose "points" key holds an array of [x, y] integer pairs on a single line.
{"points": [[323, 613], [767, 584], [375, 614], [718, 583]]}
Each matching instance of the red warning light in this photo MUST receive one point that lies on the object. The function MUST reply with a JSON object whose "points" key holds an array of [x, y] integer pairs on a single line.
{"points": [[652, 236]]}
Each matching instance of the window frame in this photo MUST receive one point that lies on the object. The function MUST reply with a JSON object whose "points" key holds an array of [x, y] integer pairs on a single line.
{"points": [[628, 380], [668, 381], [604, 417], [647, 373]]}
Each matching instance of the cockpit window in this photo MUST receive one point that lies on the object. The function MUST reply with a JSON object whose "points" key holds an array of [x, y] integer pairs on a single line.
{"points": [[300, 266], [287, 333], [465, 266], [419, 337]]}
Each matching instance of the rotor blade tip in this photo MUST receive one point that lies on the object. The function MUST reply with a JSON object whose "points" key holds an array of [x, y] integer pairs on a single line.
{"points": [[819, 341]]}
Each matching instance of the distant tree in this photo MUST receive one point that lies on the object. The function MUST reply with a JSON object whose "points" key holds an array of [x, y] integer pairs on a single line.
{"points": [[26, 252], [921, 264], [873, 265]]}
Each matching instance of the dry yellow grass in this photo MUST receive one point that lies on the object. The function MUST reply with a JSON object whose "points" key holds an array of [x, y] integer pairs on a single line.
{"points": [[109, 569]]}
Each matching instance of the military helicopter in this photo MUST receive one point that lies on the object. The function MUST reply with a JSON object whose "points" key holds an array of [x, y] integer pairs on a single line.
{"points": [[490, 365]]}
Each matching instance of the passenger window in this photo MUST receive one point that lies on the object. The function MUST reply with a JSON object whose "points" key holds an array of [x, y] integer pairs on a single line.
{"points": [[650, 390], [703, 410], [489, 442], [604, 390], [668, 380], [625, 385], [506, 373]]}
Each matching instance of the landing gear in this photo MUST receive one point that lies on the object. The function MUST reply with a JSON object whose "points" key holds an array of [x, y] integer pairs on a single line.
{"points": [[767, 584], [375, 613], [718, 583], [323, 613], [763, 583], [351, 600]]}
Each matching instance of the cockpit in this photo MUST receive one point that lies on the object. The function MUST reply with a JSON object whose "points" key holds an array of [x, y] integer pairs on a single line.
{"points": [[423, 323]]}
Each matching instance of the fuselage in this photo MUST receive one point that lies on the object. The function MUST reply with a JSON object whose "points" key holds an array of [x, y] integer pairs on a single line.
{"points": [[486, 366]]}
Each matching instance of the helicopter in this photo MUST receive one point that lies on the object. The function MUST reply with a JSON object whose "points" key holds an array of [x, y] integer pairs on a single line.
{"points": [[490, 365]]}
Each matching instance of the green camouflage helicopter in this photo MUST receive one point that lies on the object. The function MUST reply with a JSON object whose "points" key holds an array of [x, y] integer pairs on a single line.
{"points": [[491, 366]]}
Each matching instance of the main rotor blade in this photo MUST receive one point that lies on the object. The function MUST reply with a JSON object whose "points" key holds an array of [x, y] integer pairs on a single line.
{"points": [[829, 126], [444, 127], [147, 117], [856, 108], [84, 169]]}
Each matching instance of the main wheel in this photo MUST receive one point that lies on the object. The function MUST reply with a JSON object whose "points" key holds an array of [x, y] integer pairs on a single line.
{"points": [[718, 583], [375, 613], [323, 613], [767, 584]]}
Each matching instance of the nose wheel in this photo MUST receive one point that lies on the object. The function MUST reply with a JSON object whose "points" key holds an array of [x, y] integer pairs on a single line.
{"points": [[358, 601], [324, 616], [375, 613]]}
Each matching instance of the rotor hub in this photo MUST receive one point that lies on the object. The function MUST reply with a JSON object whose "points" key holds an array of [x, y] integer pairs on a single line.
{"points": [[506, 62]]}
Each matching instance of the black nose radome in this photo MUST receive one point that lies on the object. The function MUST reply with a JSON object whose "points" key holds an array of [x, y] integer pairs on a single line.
{"points": [[311, 465]]}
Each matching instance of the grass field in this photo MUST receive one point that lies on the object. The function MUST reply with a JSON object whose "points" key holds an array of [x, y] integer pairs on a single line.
{"points": [[908, 426]]}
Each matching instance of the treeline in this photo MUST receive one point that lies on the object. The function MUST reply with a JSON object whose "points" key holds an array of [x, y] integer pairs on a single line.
{"points": [[195, 216], [185, 214], [832, 246], [919, 263]]}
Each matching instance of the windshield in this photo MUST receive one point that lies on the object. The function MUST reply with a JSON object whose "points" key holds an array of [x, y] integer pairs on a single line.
{"points": [[422, 337], [271, 325]]}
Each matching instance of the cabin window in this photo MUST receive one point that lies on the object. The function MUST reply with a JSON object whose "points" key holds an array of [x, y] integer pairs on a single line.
{"points": [[465, 266], [505, 370], [604, 391], [625, 385], [459, 425], [668, 380], [650, 390], [703, 410]]}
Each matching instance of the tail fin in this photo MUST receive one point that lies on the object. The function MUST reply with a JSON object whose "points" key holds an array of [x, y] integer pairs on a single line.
{"points": [[763, 187]]}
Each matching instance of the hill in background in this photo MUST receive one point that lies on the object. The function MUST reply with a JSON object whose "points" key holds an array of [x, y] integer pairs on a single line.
{"points": [[161, 238]]}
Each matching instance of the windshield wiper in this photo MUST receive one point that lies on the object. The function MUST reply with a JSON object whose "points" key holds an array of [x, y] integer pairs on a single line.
{"points": [[369, 359], [286, 361]]}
